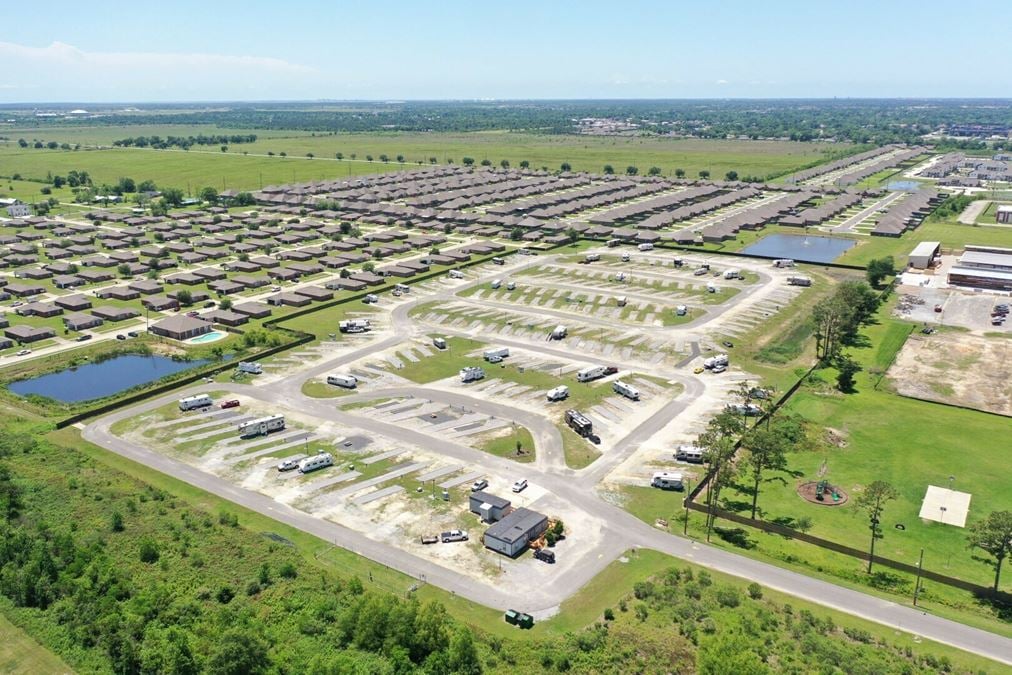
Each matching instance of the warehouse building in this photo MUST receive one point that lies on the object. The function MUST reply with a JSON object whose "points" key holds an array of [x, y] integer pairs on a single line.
{"points": [[511, 535], [924, 254], [986, 267]]}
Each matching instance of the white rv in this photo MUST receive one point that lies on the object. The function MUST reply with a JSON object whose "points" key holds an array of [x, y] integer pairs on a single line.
{"points": [[496, 355], [320, 461], [455, 274], [681, 310], [627, 390], [343, 380], [715, 361], [590, 373], [621, 301], [646, 247], [403, 288], [511, 285], [799, 281], [559, 332], [262, 426], [354, 325], [732, 274], [560, 393], [439, 343], [668, 480], [496, 283], [783, 262], [471, 374], [690, 453], [194, 402], [250, 367], [592, 257]]}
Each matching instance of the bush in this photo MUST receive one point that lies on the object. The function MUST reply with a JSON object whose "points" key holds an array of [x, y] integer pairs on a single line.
{"points": [[253, 588], [149, 551], [225, 595], [755, 591], [116, 521], [609, 614], [728, 596], [287, 571], [230, 519]]}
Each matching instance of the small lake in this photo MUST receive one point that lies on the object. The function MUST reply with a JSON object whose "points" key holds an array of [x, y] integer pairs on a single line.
{"points": [[95, 380], [800, 247]]}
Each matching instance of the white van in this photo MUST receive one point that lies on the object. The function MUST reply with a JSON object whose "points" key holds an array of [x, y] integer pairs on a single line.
{"points": [[621, 301], [646, 247], [439, 343], [194, 402], [496, 283], [343, 380], [511, 285], [370, 299]]}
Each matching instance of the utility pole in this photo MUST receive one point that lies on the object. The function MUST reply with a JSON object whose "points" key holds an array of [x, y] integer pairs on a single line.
{"points": [[688, 496], [917, 584]]}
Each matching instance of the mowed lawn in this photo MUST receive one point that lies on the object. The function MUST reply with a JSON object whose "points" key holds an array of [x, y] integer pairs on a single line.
{"points": [[21, 655], [908, 443]]}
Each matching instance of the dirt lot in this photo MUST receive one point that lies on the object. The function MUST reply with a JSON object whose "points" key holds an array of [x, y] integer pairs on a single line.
{"points": [[959, 368]]}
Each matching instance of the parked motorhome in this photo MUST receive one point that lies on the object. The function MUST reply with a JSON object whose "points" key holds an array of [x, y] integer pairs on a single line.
{"points": [[681, 310], [250, 367], [320, 461], [496, 283], [511, 285], [262, 426], [646, 247], [732, 274], [471, 374], [621, 301], [439, 343], [579, 423], [668, 480], [559, 393], [627, 390], [799, 281], [592, 257], [354, 325], [715, 361], [591, 373], [194, 402], [343, 380], [455, 274], [496, 355], [403, 288], [559, 332], [783, 262], [690, 453]]}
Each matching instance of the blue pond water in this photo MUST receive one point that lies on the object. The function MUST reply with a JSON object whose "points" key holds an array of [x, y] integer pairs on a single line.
{"points": [[800, 247], [96, 380]]}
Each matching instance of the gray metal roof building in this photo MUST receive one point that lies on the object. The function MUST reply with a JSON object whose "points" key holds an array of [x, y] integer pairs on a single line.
{"points": [[511, 535]]}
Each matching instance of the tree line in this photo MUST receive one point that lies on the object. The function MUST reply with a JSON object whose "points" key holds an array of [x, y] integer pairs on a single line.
{"points": [[184, 142]]}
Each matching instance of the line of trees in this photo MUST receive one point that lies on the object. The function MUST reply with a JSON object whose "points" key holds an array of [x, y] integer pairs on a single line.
{"points": [[184, 142]]}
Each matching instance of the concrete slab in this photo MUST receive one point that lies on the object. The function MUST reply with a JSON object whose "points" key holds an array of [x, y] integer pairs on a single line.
{"points": [[378, 494], [464, 478], [440, 472]]}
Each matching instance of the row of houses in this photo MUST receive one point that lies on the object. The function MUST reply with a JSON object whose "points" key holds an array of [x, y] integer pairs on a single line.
{"points": [[907, 213]]}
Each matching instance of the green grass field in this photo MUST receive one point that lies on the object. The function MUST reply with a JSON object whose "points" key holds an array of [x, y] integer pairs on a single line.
{"points": [[21, 655], [208, 166]]}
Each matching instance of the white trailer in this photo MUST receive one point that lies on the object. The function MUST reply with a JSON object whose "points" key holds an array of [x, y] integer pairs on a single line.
{"points": [[668, 480], [560, 393], [799, 281], [342, 380], [715, 361], [496, 355], [783, 262], [439, 343], [711, 287], [354, 325], [590, 373], [627, 390], [496, 283], [621, 301], [681, 310], [559, 332], [732, 274], [320, 461], [746, 409], [250, 367], [646, 247], [592, 257], [471, 374], [194, 402], [690, 453], [455, 274], [262, 426]]}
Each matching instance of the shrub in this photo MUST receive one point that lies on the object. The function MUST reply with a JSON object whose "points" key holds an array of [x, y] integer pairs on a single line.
{"points": [[609, 614], [116, 521], [728, 596], [287, 571], [149, 552], [755, 591], [225, 595]]}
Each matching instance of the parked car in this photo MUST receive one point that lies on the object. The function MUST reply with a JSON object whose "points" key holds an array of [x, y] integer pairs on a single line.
{"points": [[520, 485], [479, 484], [545, 555], [24, 352], [231, 403], [134, 333], [938, 308], [728, 344], [82, 338], [698, 369], [610, 370], [453, 535], [288, 465], [498, 261], [193, 315], [121, 336], [275, 289], [210, 303]]}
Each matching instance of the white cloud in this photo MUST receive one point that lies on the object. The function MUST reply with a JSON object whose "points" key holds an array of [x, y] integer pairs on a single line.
{"points": [[721, 82], [62, 54]]}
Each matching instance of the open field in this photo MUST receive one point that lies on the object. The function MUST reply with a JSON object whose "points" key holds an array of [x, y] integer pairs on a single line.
{"points": [[21, 655]]}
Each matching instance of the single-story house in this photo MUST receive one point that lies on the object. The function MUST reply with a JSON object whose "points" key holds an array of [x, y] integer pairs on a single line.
{"points": [[110, 313], [242, 266], [226, 317], [5, 343], [250, 281], [283, 274], [68, 281], [95, 276], [146, 286], [24, 290], [511, 535], [346, 285], [73, 303], [254, 310], [225, 287], [185, 278], [117, 293], [315, 292], [367, 278], [181, 327], [160, 303], [23, 333], [290, 299], [195, 296], [210, 273], [81, 321], [43, 309], [305, 269], [34, 274]]}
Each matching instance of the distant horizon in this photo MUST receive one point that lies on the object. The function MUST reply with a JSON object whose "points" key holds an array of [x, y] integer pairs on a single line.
{"points": [[399, 101]]}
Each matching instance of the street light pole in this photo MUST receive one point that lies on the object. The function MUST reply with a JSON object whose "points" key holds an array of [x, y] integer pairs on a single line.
{"points": [[688, 496], [917, 584]]}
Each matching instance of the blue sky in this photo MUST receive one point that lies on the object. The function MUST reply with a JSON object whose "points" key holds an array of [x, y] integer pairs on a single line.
{"points": [[301, 49]]}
